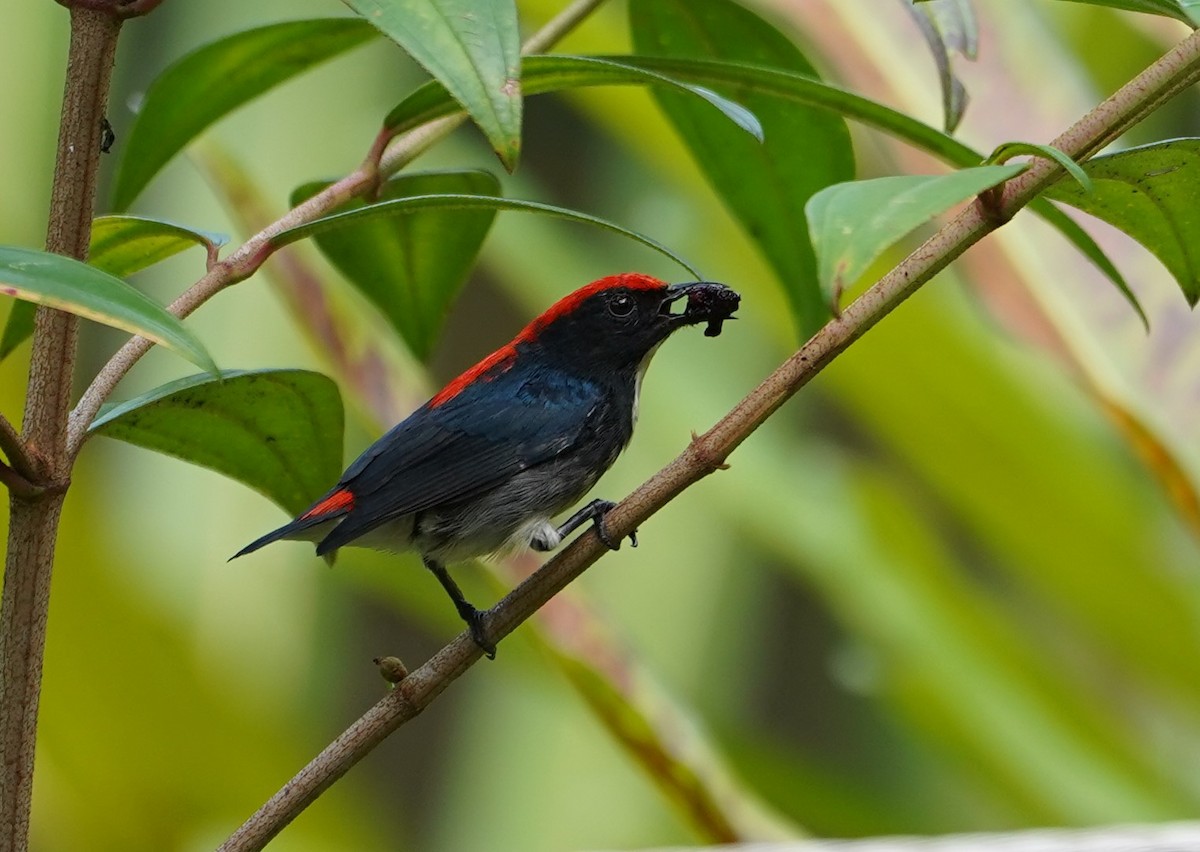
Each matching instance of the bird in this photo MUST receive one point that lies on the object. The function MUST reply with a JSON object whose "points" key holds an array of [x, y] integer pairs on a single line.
{"points": [[487, 463]]}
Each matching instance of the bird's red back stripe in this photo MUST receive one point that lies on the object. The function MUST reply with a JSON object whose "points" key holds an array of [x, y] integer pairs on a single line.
{"points": [[502, 358], [338, 501]]}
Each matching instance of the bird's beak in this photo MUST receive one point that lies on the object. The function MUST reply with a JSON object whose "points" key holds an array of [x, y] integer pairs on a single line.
{"points": [[675, 292], [707, 301]]}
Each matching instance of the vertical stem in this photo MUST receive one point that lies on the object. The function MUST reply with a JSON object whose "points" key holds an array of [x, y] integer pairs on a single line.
{"points": [[32, 529], [34, 521]]}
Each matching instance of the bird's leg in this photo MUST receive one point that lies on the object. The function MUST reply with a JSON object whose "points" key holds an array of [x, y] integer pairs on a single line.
{"points": [[593, 511], [468, 613]]}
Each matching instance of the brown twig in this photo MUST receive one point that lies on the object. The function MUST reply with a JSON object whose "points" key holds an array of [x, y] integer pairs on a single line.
{"points": [[239, 266], [708, 452], [33, 524], [15, 451], [18, 485]]}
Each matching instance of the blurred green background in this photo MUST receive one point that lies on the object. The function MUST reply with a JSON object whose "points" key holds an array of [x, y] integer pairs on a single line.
{"points": [[941, 590]]}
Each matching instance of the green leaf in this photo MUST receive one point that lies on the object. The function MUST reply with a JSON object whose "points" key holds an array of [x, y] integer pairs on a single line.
{"points": [[799, 89], [949, 26], [1149, 193], [852, 224], [553, 73], [121, 246], [412, 267], [277, 431], [17, 328], [216, 79], [1064, 223], [1008, 150], [68, 285], [408, 206], [473, 48], [542, 74], [1083, 241], [767, 185], [1187, 11]]}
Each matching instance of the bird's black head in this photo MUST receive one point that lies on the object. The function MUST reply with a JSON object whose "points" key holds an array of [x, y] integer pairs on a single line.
{"points": [[614, 323]]}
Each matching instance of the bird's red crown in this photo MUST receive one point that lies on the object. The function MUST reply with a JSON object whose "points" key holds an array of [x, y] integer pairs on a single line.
{"points": [[502, 358]]}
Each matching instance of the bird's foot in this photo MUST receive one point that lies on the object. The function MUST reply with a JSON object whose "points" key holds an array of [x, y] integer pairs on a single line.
{"points": [[475, 624], [603, 508]]}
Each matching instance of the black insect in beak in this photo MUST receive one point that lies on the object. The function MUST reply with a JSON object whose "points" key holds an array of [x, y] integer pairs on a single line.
{"points": [[707, 301]]}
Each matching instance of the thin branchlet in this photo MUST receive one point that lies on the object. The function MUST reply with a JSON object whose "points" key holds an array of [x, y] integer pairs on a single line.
{"points": [[22, 461]]}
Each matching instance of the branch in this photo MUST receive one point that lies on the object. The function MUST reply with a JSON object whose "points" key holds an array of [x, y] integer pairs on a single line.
{"points": [[18, 484], [237, 267], [246, 260], [560, 26], [16, 452], [708, 452]]}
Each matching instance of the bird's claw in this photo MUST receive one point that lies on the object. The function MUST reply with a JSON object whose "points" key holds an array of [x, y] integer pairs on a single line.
{"points": [[606, 538], [474, 619]]}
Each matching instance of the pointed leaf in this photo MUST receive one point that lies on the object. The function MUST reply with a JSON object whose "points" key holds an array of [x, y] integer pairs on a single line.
{"points": [[852, 224], [949, 26], [412, 267], [64, 283], [277, 431], [17, 328], [216, 79], [542, 74], [765, 186], [1083, 241], [1149, 193], [799, 89], [121, 246], [473, 48], [1064, 223], [408, 206], [553, 73], [1007, 150]]}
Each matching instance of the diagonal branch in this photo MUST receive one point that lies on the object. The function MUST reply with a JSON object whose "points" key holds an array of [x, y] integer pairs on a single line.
{"points": [[18, 484], [708, 452], [14, 449]]}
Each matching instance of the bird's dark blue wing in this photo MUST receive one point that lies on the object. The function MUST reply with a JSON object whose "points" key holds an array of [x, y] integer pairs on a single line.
{"points": [[475, 441]]}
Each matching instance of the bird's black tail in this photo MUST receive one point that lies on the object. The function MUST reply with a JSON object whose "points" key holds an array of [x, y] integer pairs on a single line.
{"points": [[332, 506], [273, 536]]}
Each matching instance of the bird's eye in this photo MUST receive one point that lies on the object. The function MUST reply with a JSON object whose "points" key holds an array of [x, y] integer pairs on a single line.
{"points": [[620, 305]]}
